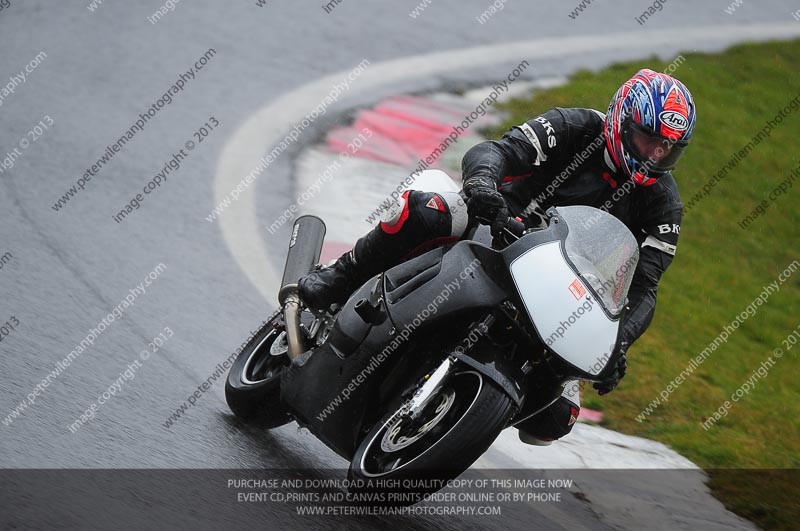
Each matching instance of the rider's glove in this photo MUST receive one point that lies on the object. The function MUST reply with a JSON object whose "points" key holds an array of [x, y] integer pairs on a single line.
{"points": [[612, 381], [485, 201]]}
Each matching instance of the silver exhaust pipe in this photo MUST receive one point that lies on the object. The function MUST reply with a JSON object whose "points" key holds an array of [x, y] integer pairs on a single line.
{"points": [[291, 313], [305, 246]]}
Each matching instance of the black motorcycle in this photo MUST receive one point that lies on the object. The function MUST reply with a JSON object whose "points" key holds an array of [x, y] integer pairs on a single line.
{"points": [[425, 364]]}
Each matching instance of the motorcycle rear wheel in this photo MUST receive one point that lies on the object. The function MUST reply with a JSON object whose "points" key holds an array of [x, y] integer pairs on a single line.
{"points": [[253, 387]]}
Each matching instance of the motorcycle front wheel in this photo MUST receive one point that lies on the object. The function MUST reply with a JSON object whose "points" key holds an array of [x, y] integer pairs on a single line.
{"points": [[456, 427]]}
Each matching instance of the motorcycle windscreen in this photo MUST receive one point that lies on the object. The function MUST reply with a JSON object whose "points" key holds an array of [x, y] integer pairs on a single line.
{"points": [[567, 315], [603, 251]]}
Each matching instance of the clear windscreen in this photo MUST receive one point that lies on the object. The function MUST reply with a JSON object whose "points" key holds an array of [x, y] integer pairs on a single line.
{"points": [[603, 250]]}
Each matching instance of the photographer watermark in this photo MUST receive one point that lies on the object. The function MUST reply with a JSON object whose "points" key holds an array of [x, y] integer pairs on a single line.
{"points": [[589, 302], [399, 339], [485, 495], [417, 11], [760, 373], [61, 366], [35, 133], [749, 311], [124, 377], [219, 372], [164, 100], [8, 327], [648, 13], [733, 6], [93, 5], [493, 9], [172, 165], [19, 79], [585, 154], [575, 13], [326, 176], [330, 6], [265, 161], [168, 7], [5, 258], [776, 193], [737, 157], [457, 130]]}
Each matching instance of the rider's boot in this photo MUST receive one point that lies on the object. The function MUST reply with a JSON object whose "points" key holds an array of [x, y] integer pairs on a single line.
{"points": [[555, 421], [333, 284]]}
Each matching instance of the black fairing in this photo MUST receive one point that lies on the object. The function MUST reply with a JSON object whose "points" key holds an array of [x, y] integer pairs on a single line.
{"points": [[370, 355], [350, 328], [356, 347], [310, 392], [435, 280], [446, 289]]}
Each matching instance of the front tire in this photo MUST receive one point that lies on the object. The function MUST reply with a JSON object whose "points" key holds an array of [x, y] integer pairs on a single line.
{"points": [[456, 428], [253, 387]]}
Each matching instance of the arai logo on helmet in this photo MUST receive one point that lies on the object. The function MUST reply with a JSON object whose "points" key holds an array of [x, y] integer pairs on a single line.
{"points": [[674, 120]]}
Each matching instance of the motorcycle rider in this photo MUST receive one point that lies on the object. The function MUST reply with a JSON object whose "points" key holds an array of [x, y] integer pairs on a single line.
{"points": [[620, 161]]}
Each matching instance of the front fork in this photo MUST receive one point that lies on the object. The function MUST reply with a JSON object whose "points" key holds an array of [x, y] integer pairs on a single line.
{"points": [[478, 353], [433, 384]]}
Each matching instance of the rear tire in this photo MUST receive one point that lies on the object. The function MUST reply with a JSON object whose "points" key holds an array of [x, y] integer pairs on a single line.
{"points": [[253, 387]]}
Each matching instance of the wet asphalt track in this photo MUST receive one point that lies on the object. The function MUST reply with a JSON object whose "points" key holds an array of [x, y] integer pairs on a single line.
{"points": [[70, 268]]}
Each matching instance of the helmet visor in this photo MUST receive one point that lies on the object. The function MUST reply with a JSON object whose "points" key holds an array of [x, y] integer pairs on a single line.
{"points": [[656, 153]]}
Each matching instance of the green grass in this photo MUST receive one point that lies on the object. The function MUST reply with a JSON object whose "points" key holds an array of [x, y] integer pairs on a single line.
{"points": [[718, 270]]}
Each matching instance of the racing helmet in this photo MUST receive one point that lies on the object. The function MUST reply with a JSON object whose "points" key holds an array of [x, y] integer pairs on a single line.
{"points": [[649, 123]]}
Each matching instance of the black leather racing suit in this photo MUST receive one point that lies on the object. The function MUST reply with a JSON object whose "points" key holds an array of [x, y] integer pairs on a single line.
{"points": [[558, 159]]}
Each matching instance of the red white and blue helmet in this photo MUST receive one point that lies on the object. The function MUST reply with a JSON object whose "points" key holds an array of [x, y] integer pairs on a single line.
{"points": [[650, 109]]}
